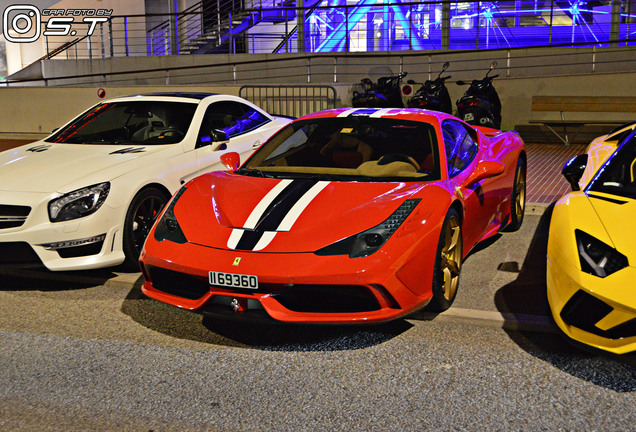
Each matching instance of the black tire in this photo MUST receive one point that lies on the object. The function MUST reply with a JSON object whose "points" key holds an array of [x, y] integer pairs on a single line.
{"points": [[141, 215], [518, 197], [448, 262]]}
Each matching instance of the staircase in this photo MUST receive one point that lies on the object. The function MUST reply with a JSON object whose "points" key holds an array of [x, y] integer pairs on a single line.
{"points": [[222, 32]]}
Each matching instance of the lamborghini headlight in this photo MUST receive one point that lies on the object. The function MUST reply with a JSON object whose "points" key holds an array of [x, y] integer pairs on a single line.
{"points": [[79, 203], [369, 241], [167, 226], [598, 258]]}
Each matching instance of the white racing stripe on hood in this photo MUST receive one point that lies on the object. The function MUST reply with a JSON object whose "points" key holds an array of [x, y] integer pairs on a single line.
{"points": [[260, 208], [258, 211], [293, 214], [301, 205], [268, 236], [288, 221]]}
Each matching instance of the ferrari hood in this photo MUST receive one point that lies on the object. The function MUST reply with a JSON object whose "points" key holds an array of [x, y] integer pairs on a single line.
{"points": [[617, 215], [230, 211], [48, 167]]}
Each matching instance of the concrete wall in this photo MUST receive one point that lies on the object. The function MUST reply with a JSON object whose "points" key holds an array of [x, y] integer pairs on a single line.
{"points": [[33, 112]]}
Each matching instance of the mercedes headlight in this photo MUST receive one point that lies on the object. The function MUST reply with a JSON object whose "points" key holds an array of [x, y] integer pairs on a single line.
{"points": [[167, 226], [79, 203], [369, 241], [598, 258]]}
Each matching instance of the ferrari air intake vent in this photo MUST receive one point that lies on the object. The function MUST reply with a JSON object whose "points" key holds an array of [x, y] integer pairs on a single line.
{"points": [[178, 284], [17, 252], [327, 298], [12, 216], [584, 310]]}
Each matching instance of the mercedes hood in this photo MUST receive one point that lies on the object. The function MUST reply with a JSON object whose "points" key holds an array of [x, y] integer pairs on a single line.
{"points": [[48, 167]]}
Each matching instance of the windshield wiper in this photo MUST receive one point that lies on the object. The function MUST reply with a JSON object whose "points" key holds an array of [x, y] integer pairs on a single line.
{"points": [[252, 171]]}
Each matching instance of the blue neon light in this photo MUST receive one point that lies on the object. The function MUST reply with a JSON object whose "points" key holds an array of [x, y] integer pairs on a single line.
{"points": [[492, 24]]}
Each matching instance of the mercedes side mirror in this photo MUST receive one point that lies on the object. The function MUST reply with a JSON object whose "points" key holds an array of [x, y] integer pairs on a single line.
{"points": [[219, 139], [218, 135], [573, 170]]}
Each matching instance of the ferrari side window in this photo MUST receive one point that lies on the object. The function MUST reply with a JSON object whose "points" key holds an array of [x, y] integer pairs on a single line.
{"points": [[461, 148]]}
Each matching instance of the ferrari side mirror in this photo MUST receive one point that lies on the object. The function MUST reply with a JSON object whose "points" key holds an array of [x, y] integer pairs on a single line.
{"points": [[573, 170], [231, 160], [484, 170]]}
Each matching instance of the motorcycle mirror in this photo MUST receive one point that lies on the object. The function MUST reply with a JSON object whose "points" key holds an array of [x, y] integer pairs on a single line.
{"points": [[493, 64], [460, 82], [411, 82], [444, 67]]}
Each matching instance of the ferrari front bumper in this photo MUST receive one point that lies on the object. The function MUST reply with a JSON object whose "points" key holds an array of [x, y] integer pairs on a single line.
{"points": [[292, 287]]}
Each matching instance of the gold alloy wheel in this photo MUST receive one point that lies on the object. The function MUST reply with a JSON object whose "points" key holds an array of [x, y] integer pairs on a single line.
{"points": [[451, 261], [520, 192]]}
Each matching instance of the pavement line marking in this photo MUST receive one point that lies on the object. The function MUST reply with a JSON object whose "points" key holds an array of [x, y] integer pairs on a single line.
{"points": [[505, 320]]}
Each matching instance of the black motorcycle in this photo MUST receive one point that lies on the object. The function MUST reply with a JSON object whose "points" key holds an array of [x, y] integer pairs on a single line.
{"points": [[480, 105], [433, 95], [385, 93]]}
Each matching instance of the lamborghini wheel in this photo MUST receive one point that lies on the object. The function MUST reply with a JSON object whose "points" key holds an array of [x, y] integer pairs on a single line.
{"points": [[448, 262], [141, 215], [518, 197]]}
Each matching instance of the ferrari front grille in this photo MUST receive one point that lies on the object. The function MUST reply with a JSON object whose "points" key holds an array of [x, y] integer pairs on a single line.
{"points": [[178, 284], [12, 216], [327, 298], [584, 310]]}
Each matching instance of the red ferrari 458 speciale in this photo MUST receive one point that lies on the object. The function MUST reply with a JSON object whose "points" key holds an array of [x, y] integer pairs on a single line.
{"points": [[344, 216]]}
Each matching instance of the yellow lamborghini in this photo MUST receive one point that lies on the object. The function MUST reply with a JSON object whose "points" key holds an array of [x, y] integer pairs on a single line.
{"points": [[591, 259]]}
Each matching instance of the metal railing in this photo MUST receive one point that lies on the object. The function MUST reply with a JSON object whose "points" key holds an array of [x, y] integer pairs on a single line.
{"points": [[348, 68], [362, 27], [290, 100]]}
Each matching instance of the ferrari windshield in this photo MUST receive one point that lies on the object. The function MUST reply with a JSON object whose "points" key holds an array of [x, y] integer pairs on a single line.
{"points": [[355, 148], [618, 175], [135, 122]]}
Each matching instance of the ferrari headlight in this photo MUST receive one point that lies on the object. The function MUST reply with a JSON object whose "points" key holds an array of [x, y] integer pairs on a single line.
{"points": [[369, 241], [79, 203], [167, 227], [598, 258]]}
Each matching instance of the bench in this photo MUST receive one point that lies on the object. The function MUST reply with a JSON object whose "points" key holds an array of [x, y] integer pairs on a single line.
{"points": [[590, 104]]}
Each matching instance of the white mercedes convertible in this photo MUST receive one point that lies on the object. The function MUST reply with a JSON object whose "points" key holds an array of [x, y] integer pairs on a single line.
{"points": [[87, 195]]}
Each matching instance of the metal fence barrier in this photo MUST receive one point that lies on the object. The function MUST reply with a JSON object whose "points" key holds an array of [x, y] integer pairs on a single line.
{"points": [[290, 100]]}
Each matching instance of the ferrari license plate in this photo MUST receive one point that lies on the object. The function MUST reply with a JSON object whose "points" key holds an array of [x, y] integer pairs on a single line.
{"points": [[469, 117], [233, 280]]}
